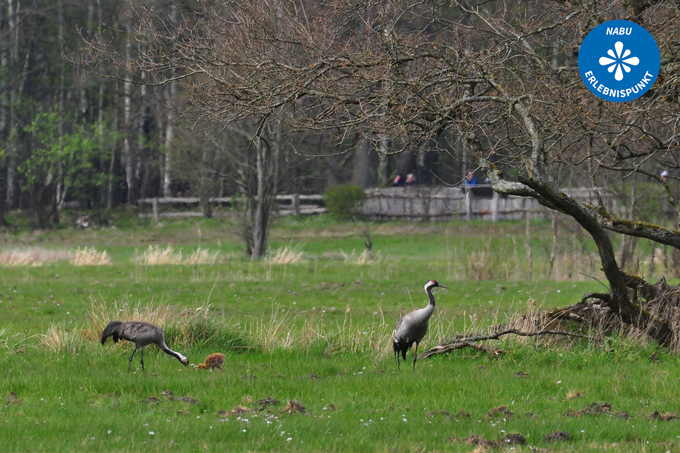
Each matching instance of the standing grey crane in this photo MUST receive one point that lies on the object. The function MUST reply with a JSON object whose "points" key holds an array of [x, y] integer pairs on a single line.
{"points": [[141, 334], [412, 327]]}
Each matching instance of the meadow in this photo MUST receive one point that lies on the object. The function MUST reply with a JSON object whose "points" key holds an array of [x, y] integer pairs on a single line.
{"points": [[306, 333]]}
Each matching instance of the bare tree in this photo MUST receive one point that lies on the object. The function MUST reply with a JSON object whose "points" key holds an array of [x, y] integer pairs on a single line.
{"points": [[497, 80]]}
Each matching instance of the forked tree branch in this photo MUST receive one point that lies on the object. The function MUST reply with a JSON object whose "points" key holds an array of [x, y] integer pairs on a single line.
{"points": [[466, 342]]}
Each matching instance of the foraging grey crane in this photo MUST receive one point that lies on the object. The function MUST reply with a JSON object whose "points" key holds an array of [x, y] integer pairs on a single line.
{"points": [[412, 327], [141, 334]]}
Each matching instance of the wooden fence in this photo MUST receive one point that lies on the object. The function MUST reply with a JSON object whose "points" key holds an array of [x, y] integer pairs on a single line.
{"points": [[285, 205], [413, 203]]}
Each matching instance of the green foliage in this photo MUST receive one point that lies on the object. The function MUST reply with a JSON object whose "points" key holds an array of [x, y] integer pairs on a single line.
{"points": [[343, 201], [68, 157]]}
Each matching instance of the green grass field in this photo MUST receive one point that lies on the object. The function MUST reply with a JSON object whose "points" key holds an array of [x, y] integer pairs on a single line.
{"points": [[309, 363]]}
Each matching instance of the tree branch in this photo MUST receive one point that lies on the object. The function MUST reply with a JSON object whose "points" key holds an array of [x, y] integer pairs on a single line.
{"points": [[460, 343]]}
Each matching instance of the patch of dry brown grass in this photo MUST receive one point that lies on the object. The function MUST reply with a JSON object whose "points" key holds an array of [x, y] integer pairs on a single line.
{"points": [[89, 256], [101, 313], [285, 255], [59, 340], [202, 256], [363, 258], [158, 256], [32, 257]]}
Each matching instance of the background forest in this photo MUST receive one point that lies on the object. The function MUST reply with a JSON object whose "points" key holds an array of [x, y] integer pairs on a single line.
{"points": [[73, 139]]}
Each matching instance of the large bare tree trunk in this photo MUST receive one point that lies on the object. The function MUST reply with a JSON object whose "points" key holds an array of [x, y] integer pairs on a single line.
{"points": [[365, 164], [267, 168]]}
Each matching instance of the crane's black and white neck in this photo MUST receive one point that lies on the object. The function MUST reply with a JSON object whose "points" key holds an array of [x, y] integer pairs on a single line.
{"points": [[412, 327]]}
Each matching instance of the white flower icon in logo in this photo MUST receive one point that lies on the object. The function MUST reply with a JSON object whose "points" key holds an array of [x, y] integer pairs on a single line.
{"points": [[619, 60]]}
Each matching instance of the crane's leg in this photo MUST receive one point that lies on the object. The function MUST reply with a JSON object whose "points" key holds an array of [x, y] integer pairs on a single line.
{"points": [[130, 361], [141, 357], [415, 356], [396, 356]]}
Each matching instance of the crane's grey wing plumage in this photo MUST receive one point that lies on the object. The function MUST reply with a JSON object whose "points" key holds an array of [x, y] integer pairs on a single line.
{"points": [[143, 333]]}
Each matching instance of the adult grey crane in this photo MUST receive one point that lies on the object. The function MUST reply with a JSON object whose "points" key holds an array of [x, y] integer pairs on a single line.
{"points": [[412, 327], [141, 334]]}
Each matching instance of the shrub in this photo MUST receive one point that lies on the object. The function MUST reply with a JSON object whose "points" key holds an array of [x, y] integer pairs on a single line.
{"points": [[343, 201]]}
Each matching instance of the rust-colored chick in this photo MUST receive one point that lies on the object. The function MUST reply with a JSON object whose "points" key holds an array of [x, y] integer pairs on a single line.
{"points": [[212, 361]]}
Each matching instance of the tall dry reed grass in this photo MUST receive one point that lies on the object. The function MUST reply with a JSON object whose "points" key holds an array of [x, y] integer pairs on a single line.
{"points": [[89, 256], [32, 257], [158, 256], [285, 255], [60, 340]]}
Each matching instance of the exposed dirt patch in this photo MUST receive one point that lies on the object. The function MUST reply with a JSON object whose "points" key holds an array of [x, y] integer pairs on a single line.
{"points": [[500, 411], [622, 414], [522, 374], [575, 395], [463, 413], [591, 409], [597, 409], [513, 439], [150, 400], [656, 415], [557, 436], [12, 398], [184, 399], [480, 441], [436, 413], [327, 286], [294, 407], [240, 410], [264, 402]]}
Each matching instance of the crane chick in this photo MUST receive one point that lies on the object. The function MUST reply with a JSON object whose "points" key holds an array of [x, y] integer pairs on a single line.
{"points": [[412, 327], [212, 361], [141, 334]]}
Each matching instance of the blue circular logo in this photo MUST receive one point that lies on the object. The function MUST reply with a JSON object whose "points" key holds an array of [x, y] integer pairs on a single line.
{"points": [[619, 61]]}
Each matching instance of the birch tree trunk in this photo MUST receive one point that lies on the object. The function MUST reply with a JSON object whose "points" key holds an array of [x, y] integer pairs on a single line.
{"points": [[127, 146], [169, 126], [4, 67], [10, 157], [383, 154]]}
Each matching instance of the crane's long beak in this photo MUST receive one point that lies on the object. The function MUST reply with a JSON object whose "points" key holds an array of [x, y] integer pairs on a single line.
{"points": [[442, 286]]}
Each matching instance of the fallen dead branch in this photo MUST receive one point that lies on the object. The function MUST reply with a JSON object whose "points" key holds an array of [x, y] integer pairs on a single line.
{"points": [[470, 341]]}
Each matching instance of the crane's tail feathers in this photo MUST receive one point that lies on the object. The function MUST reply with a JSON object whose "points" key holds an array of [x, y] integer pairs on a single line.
{"points": [[111, 330]]}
